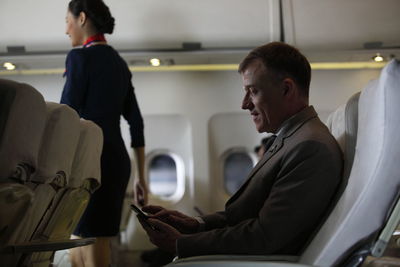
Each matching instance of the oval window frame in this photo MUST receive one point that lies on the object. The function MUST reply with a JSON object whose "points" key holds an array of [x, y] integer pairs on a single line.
{"points": [[180, 174]]}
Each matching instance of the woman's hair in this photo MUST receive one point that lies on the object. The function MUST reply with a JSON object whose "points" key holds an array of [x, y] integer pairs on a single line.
{"points": [[97, 11]]}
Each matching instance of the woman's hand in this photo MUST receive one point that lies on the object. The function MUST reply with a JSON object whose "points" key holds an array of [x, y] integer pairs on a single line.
{"points": [[140, 193], [140, 188]]}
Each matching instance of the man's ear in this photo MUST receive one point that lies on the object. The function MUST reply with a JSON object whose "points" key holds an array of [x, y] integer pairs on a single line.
{"points": [[289, 87], [82, 18]]}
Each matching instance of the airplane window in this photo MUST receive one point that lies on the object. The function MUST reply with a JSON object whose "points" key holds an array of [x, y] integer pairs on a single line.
{"points": [[163, 175], [237, 166]]}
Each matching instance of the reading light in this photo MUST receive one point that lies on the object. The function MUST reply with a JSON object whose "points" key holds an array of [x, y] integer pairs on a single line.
{"points": [[155, 62], [378, 58], [9, 66]]}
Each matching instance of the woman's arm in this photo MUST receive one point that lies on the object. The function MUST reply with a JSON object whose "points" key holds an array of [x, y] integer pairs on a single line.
{"points": [[76, 73], [140, 184]]}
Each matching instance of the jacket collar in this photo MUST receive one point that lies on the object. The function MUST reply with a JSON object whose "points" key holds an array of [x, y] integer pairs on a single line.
{"points": [[296, 121]]}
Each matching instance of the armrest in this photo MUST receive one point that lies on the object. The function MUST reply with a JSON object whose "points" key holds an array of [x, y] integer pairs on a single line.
{"points": [[239, 260], [284, 258], [238, 263], [37, 246]]}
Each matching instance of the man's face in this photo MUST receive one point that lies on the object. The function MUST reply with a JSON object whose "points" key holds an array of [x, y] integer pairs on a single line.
{"points": [[263, 97]]}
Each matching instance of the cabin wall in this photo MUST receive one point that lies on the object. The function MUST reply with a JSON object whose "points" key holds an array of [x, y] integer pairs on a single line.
{"points": [[197, 97]]}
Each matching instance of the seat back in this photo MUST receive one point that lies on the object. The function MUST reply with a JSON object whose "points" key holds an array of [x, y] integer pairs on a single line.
{"points": [[342, 124], [57, 150], [86, 169], [21, 127], [83, 181], [374, 179], [58, 146], [22, 121]]}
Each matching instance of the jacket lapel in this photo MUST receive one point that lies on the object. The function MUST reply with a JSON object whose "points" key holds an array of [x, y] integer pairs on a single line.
{"points": [[275, 147]]}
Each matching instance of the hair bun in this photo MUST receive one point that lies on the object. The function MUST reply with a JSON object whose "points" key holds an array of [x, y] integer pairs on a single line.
{"points": [[109, 26], [97, 11]]}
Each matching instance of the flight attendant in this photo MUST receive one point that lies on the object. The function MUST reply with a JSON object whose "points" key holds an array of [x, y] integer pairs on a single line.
{"points": [[98, 86]]}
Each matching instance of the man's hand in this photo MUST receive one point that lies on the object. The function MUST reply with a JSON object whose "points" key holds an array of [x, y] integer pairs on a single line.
{"points": [[160, 234], [140, 193], [183, 223]]}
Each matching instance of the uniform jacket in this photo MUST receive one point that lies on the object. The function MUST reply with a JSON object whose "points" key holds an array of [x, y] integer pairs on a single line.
{"points": [[283, 200]]}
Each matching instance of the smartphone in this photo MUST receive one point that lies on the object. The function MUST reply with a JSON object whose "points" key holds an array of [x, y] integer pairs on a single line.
{"points": [[139, 212], [142, 215]]}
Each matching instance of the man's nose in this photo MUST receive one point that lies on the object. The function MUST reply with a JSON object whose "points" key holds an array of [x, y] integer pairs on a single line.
{"points": [[246, 103]]}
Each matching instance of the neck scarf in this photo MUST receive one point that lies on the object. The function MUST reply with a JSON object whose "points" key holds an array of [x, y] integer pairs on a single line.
{"points": [[95, 39]]}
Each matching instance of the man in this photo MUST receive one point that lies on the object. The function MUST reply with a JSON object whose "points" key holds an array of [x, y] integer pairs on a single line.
{"points": [[288, 192]]}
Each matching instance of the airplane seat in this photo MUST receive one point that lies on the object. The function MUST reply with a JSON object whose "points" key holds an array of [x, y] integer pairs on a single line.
{"points": [[59, 142], [57, 149], [84, 179], [343, 124], [350, 232], [368, 210], [22, 122]]}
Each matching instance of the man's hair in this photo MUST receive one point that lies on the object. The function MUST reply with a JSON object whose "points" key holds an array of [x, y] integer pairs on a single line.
{"points": [[283, 61]]}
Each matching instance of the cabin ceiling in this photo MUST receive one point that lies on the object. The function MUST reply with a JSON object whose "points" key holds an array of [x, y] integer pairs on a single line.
{"points": [[226, 29]]}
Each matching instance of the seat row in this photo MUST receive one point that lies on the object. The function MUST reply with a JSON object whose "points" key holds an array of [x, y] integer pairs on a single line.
{"points": [[49, 167]]}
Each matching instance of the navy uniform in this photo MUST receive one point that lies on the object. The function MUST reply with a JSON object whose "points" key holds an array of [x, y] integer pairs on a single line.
{"points": [[98, 86]]}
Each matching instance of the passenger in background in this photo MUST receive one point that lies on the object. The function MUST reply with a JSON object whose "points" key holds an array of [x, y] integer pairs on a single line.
{"points": [[266, 142], [98, 86], [288, 192], [259, 150]]}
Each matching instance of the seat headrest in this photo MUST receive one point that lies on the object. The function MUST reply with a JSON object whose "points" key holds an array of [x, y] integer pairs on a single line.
{"points": [[58, 146], [86, 171], [22, 125]]}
